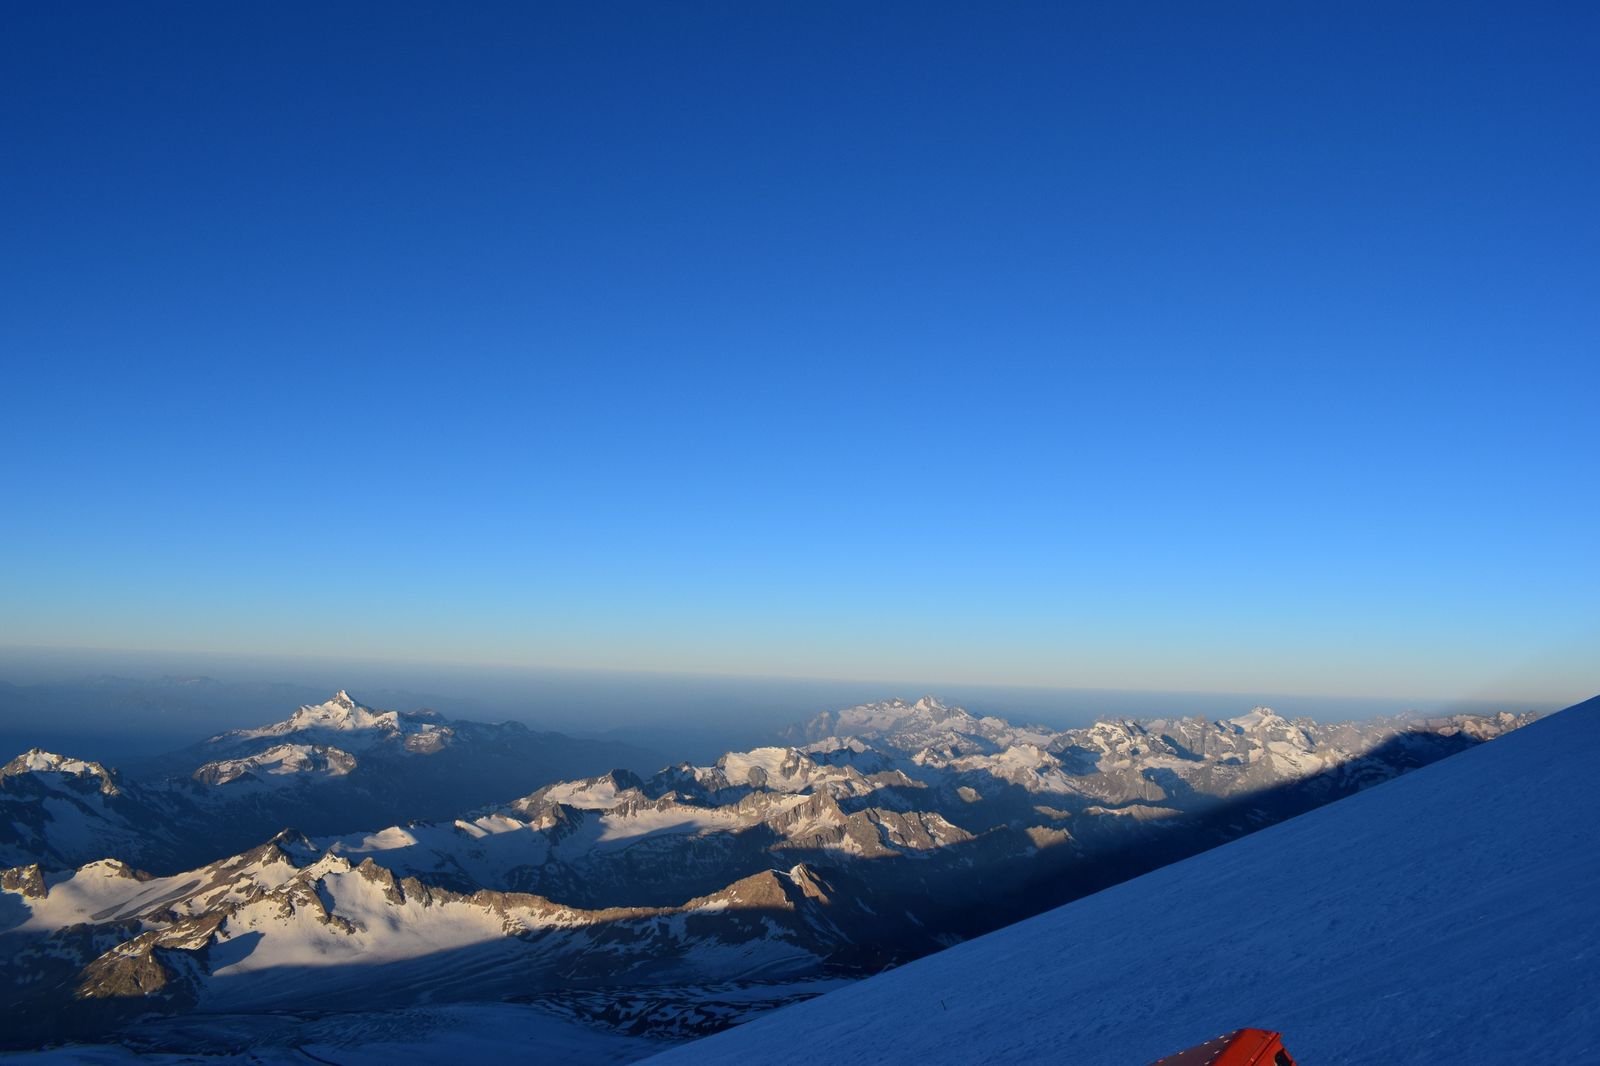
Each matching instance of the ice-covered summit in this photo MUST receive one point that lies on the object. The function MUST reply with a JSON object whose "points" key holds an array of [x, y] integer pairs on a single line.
{"points": [[341, 712], [39, 761], [350, 724], [1255, 720], [926, 723]]}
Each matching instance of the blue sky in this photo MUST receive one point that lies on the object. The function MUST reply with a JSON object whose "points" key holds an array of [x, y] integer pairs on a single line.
{"points": [[1107, 345]]}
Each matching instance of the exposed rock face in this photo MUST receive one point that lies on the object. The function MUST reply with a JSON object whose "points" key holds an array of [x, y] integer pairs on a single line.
{"points": [[27, 881], [163, 963]]}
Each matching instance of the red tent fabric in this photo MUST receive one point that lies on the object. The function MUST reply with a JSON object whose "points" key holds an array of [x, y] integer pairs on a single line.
{"points": [[1242, 1047]]}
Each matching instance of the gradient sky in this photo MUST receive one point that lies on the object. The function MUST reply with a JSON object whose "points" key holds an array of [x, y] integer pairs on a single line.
{"points": [[1105, 345]]}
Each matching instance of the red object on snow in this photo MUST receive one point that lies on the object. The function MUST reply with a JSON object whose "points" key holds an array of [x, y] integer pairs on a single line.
{"points": [[1242, 1047]]}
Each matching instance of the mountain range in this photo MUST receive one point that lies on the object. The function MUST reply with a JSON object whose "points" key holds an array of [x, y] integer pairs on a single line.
{"points": [[1447, 917], [664, 906], [330, 767]]}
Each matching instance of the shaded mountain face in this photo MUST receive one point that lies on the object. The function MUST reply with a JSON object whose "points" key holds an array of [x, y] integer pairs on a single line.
{"points": [[330, 767], [877, 834]]}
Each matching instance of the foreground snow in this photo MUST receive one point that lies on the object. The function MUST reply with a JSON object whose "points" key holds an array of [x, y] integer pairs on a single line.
{"points": [[1448, 916]]}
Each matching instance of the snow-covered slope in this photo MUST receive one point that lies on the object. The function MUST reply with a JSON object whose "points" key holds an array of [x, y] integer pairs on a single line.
{"points": [[1448, 916]]}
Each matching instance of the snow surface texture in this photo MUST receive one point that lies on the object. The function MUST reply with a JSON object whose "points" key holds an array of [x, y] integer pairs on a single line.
{"points": [[1448, 916]]}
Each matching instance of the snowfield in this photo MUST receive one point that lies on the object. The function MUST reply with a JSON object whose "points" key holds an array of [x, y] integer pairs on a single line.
{"points": [[1446, 917]]}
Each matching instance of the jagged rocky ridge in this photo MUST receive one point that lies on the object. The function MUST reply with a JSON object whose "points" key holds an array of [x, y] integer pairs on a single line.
{"points": [[877, 834]]}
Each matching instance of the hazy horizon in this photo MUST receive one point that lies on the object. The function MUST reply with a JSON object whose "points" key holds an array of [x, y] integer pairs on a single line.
{"points": [[114, 705]]}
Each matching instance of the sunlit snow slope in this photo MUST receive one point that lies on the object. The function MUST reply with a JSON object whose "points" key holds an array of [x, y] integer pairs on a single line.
{"points": [[1451, 915]]}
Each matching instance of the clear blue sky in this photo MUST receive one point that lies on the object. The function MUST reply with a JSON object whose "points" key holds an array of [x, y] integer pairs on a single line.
{"points": [[1110, 345]]}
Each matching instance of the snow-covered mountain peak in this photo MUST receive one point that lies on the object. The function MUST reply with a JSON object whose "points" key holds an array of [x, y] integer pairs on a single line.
{"points": [[599, 793], [342, 712], [296, 843], [1256, 719], [39, 761], [279, 761], [927, 723], [926, 716], [343, 722]]}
